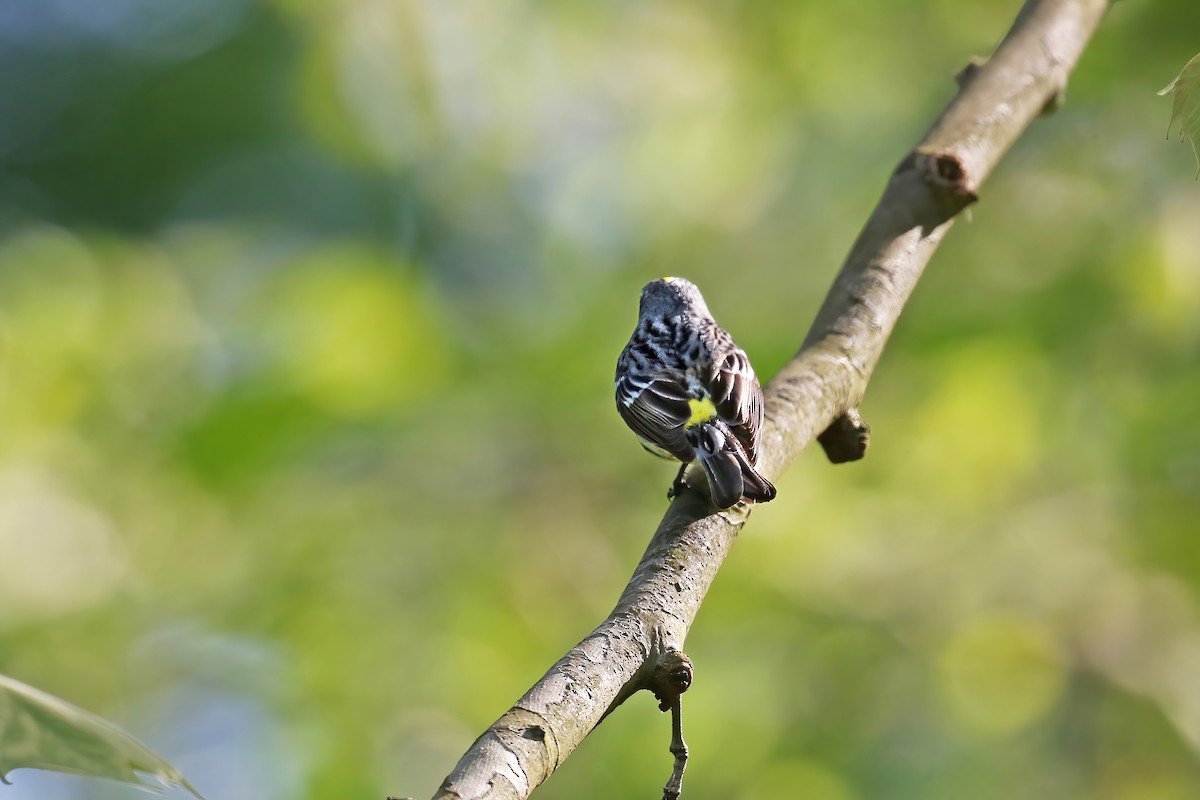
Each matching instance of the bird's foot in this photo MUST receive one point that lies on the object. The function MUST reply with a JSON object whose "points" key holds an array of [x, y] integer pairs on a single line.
{"points": [[679, 485]]}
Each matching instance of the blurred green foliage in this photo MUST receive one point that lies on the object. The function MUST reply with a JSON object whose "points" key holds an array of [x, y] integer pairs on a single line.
{"points": [[309, 465]]}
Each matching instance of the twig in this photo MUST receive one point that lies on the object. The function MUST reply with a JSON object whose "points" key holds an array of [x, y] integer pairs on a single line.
{"points": [[672, 678], [679, 749], [824, 383]]}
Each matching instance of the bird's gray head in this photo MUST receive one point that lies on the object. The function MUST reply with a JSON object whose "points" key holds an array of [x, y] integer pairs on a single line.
{"points": [[671, 297]]}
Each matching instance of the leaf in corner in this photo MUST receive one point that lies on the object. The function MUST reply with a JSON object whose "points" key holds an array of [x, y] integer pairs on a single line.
{"points": [[40, 731], [1186, 107]]}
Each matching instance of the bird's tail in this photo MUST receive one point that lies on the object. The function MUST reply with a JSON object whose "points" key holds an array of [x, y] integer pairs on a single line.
{"points": [[731, 475]]}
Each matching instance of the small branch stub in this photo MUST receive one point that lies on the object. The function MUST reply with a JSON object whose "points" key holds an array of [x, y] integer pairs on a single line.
{"points": [[947, 176], [969, 71], [672, 677], [847, 439], [1055, 101]]}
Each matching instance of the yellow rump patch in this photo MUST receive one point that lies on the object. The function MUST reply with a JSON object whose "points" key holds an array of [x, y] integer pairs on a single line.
{"points": [[703, 410]]}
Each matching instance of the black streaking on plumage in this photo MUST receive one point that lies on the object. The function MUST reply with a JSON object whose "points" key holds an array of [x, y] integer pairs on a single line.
{"points": [[689, 392]]}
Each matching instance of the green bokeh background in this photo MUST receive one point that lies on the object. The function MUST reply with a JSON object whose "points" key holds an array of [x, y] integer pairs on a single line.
{"points": [[309, 465]]}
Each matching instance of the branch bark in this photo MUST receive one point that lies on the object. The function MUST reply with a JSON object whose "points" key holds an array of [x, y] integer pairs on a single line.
{"points": [[816, 393]]}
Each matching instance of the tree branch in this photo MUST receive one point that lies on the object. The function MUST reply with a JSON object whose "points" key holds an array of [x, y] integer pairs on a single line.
{"points": [[817, 392]]}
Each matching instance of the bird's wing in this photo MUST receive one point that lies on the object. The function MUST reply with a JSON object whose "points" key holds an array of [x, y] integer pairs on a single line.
{"points": [[657, 412], [736, 393]]}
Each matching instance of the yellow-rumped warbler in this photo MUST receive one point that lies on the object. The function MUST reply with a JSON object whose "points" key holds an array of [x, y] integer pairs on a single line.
{"points": [[689, 393]]}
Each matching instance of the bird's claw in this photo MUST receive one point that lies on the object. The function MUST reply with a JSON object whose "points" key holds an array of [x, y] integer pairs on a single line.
{"points": [[678, 485]]}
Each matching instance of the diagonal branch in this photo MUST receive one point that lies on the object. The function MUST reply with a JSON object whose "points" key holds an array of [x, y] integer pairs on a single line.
{"points": [[818, 392]]}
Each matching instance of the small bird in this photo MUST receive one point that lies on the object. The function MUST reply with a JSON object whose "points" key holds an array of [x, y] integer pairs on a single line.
{"points": [[689, 393]]}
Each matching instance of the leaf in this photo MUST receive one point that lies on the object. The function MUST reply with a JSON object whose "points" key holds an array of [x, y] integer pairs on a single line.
{"points": [[1186, 106], [40, 731]]}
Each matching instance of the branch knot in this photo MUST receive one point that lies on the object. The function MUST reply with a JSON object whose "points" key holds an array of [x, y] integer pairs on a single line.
{"points": [[847, 438], [947, 175], [672, 677]]}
